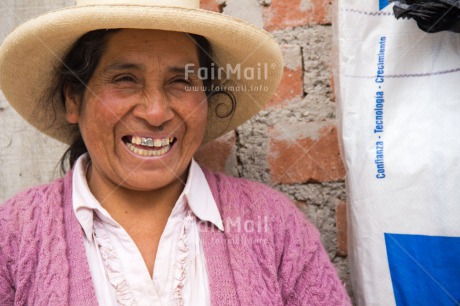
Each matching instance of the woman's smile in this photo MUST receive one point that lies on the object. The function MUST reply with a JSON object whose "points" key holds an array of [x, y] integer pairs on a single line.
{"points": [[147, 146]]}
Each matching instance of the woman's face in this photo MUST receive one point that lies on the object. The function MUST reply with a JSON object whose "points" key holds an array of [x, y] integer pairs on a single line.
{"points": [[140, 85]]}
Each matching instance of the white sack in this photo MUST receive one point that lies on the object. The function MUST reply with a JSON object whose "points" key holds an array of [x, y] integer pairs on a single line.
{"points": [[399, 107]]}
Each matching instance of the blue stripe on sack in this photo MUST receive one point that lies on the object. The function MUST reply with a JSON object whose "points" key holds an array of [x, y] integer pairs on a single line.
{"points": [[383, 4], [425, 270]]}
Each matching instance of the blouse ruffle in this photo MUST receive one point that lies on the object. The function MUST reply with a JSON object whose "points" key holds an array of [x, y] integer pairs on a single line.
{"points": [[180, 273], [116, 274], [113, 266]]}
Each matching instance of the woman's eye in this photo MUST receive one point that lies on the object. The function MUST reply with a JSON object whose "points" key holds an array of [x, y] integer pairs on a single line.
{"points": [[124, 78], [182, 81]]}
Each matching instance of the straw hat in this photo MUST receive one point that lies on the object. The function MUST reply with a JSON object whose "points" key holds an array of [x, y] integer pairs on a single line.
{"points": [[31, 53]]}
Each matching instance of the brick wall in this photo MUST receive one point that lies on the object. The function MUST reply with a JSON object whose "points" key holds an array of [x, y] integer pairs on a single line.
{"points": [[292, 144]]}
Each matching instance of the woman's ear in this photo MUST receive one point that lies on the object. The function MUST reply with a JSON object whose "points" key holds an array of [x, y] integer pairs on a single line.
{"points": [[72, 106]]}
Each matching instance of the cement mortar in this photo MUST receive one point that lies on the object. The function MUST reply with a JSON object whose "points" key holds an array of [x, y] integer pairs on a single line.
{"points": [[315, 43], [252, 11], [341, 264], [252, 150], [319, 202]]}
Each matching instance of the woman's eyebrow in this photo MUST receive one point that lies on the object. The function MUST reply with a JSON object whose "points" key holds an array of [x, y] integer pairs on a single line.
{"points": [[182, 69], [124, 66], [176, 69]]}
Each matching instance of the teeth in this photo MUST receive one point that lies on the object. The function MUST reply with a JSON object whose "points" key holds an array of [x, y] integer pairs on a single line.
{"points": [[163, 145], [149, 142], [157, 143], [136, 140], [142, 152]]}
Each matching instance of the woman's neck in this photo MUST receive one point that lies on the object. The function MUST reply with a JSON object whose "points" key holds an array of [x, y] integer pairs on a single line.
{"points": [[127, 205]]}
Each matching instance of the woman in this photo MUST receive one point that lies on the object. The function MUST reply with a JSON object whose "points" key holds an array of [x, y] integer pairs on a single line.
{"points": [[134, 89]]}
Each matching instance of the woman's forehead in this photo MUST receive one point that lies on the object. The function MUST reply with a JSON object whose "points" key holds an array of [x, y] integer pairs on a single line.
{"points": [[151, 43]]}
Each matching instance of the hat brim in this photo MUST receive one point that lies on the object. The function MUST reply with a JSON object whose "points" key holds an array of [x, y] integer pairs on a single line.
{"points": [[31, 53]]}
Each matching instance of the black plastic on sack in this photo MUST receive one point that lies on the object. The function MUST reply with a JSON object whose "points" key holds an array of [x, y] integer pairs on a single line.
{"points": [[431, 16]]}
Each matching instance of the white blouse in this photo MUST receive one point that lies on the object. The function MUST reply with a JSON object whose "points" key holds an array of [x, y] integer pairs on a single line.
{"points": [[117, 268]]}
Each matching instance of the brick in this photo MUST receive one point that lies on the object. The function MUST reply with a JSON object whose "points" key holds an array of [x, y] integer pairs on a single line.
{"points": [[210, 5], [218, 155], [291, 85], [341, 221], [282, 14], [304, 152]]}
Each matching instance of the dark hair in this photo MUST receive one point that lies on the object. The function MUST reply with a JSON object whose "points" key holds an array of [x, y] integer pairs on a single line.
{"points": [[78, 67]]}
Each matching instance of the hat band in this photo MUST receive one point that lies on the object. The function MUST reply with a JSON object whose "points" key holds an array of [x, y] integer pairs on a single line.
{"points": [[180, 3]]}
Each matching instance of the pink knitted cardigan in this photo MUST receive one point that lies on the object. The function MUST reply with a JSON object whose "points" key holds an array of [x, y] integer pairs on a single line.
{"points": [[268, 255]]}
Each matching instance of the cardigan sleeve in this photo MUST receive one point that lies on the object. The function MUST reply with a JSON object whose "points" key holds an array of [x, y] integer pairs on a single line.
{"points": [[306, 272], [26, 250], [6, 287], [7, 255]]}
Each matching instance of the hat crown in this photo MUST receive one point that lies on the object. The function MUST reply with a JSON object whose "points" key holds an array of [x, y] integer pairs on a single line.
{"points": [[177, 3]]}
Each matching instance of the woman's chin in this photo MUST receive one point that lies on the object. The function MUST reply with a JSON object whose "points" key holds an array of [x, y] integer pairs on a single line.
{"points": [[149, 179]]}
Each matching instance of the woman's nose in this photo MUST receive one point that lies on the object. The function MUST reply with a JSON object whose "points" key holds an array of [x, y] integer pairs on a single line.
{"points": [[154, 107]]}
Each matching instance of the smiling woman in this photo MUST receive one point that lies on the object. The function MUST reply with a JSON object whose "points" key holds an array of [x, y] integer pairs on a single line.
{"points": [[135, 220]]}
